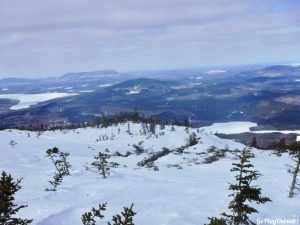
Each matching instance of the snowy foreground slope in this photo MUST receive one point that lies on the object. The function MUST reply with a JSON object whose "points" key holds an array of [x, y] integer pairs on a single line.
{"points": [[170, 196]]}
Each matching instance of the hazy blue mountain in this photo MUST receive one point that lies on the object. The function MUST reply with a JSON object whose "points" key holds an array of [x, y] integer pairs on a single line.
{"points": [[269, 96]]}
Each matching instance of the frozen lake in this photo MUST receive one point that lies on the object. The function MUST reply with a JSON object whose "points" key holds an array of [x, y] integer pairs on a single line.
{"points": [[27, 100], [241, 127]]}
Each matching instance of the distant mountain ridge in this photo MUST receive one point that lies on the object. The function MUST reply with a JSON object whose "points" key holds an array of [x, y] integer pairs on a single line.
{"points": [[275, 70], [267, 96], [279, 70], [71, 81], [93, 74]]}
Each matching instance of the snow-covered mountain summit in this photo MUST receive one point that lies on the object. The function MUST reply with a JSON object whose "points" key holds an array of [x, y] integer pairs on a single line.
{"points": [[182, 185]]}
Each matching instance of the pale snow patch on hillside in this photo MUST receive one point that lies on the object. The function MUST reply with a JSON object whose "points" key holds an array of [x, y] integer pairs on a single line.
{"points": [[229, 127], [241, 127], [135, 90], [87, 91], [215, 72], [295, 64]]}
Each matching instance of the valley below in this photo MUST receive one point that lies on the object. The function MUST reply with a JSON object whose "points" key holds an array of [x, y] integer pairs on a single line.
{"points": [[205, 98]]}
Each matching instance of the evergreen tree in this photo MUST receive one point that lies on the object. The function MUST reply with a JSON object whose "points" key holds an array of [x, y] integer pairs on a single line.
{"points": [[281, 144], [64, 163], [254, 143], [89, 218], [126, 217], [216, 221], [145, 128], [128, 128], [135, 116], [101, 164], [243, 191], [62, 166], [172, 128], [186, 123], [192, 140], [8, 188], [59, 159], [294, 151], [162, 126], [176, 123], [57, 179], [139, 149], [152, 126], [12, 143]]}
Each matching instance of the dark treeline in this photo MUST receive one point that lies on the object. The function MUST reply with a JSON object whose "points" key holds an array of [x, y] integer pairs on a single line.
{"points": [[103, 121], [281, 145]]}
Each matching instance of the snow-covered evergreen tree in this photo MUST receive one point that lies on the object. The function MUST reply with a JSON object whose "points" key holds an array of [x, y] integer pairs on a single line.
{"points": [[244, 191], [8, 209]]}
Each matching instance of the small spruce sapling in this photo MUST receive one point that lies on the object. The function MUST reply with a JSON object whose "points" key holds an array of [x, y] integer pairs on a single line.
{"points": [[192, 139], [126, 217], [89, 218], [243, 191], [128, 129], [172, 128], [138, 149], [101, 164], [162, 126], [12, 143], [8, 188], [62, 166], [57, 179], [253, 143], [294, 151], [152, 127]]}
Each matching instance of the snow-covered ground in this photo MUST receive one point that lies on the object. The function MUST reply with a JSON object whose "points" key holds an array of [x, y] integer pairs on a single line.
{"points": [[170, 196], [241, 127], [27, 100]]}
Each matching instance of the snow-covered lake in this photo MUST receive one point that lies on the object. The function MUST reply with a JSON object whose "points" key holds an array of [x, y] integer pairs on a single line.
{"points": [[27, 100], [241, 127], [229, 127]]}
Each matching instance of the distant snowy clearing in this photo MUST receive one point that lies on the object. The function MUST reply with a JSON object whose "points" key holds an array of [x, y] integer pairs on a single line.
{"points": [[87, 91], [241, 127], [27, 100], [215, 71], [230, 127], [184, 191]]}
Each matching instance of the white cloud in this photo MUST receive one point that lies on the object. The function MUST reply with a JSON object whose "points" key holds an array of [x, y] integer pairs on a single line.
{"points": [[53, 37]]}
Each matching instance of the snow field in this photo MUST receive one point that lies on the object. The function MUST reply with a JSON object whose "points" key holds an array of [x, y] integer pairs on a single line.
{"points": [[169, 196]]}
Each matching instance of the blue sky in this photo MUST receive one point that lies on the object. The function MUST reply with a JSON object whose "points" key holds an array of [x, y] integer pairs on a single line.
{"points": [[52, 37]]}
